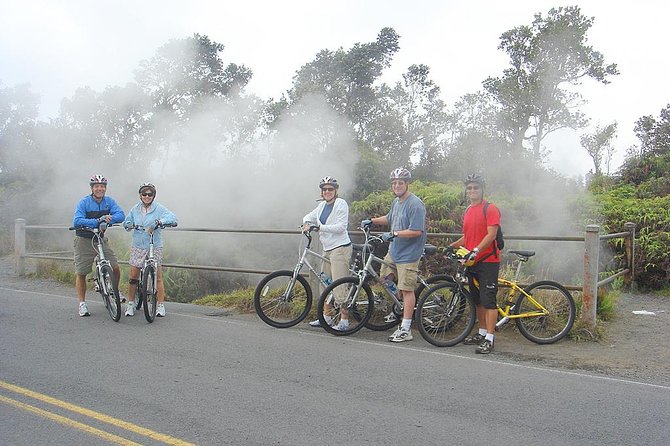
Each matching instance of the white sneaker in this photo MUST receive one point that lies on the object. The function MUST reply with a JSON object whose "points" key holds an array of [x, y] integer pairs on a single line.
{"points": [[83, 309], [317, 322], [402, 335], [130, 308], [395, 333], [160, 310], [343, 325]]}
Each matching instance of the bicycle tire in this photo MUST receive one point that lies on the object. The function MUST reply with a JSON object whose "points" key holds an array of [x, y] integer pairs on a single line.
{"points": [[445, 314], [380, 320], [359, 307], [109, 295], [561, 306], [275, 307], [139, 298], [149, 294]]}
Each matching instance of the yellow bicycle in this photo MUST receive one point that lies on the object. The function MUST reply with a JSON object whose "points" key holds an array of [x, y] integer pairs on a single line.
{"points": [[544, 311]]}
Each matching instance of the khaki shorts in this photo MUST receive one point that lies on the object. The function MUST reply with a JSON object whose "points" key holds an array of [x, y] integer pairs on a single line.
{"points": [[84, 255], [340, 259], [406, 274]]}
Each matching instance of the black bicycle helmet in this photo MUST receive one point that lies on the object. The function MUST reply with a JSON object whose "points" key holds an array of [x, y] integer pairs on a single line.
{"points": [[147, 186], [97, 179], [474, 178], [328, 181], [400, 174]]}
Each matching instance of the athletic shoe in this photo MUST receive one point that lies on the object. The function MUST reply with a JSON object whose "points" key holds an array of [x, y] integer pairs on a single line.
{"points": [[485, 347], [343, 325], [391, 317], [160, 310], [475, 339], [402, 336], [315, 323], [395, 333], [83, 309], [130, 308]]}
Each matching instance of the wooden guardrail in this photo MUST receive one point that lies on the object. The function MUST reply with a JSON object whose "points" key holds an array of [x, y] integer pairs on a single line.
{"points": [[592, 241]]}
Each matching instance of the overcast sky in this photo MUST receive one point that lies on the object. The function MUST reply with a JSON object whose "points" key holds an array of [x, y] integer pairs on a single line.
{"points": [[58, 46]]}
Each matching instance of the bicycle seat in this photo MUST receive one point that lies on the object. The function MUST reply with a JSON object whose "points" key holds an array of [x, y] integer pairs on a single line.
{"points": [[429, 249], [525, 254]]}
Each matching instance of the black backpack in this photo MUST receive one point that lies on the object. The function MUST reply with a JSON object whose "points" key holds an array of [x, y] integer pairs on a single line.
{"points": [[499, 241]]}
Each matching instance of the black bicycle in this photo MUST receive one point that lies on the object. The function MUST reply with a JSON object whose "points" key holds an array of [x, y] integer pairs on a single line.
{"points": [[104, 274], [146, 288]]}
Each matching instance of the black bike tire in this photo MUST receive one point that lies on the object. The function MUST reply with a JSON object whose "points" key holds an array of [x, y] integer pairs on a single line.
{"points": [[361, 320], [139, 297], [432, 280], [268, 319], [523, 324], [449, 321], [149, 294], [112, 301]]}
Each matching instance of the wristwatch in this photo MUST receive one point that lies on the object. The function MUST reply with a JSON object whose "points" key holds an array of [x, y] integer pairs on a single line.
{"points": [[395, 233], [476, 250]]}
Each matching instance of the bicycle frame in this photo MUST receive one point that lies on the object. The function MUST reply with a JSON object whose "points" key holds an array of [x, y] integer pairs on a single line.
{"points": [[100, 260], [506, 311]]}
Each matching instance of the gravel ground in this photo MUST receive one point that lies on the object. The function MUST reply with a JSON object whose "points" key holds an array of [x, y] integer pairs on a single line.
{"points": [[632, 347]]}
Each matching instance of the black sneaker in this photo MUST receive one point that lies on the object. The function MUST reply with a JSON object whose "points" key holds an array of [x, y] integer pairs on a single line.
{"points": [[485, 347], [475, 339]]}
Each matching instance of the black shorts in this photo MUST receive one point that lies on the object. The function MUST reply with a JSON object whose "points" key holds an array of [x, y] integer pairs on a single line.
{"points": [[486, 274]]}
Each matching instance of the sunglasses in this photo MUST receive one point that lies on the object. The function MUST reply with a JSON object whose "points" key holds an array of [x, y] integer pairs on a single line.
{"points": [[328, 189], [147, 194], [398, 183], [472, 188]]}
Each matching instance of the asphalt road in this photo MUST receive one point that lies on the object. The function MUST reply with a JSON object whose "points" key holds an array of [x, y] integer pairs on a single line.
{"points": [[203, 377]]}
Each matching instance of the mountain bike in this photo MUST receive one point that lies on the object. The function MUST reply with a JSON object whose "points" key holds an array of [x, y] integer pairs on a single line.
{"points": [[544, 311], [146, 288], [104, 274], [369, 300], [283, 298]]}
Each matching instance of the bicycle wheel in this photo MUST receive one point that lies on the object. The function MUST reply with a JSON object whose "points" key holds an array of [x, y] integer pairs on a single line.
{"points": [[109, 295], [358, 305], [385, 313], [445, 315], [431, 281], [549, 328], [149, 294], [281, 301], [139, 298]]}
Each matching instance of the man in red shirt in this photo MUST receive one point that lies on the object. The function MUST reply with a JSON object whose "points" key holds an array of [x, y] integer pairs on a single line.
{"points": [[479, 234]]}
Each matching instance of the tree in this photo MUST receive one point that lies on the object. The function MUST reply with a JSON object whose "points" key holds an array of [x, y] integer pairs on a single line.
{"points": [[346, 78], [186, 70], [651, 159], [599, 147], [546, 58], [18, 118]]}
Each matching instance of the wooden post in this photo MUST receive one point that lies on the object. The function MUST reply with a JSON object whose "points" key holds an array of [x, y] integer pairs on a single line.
{"points": [[629, 246], [20, 245], [590, 294]]}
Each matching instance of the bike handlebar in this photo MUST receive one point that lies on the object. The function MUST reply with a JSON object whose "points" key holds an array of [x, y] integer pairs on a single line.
{"points": [[102, 227]]}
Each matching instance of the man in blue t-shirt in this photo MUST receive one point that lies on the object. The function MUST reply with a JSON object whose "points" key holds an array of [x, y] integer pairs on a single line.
{"points": [[407, 219], [90, 212]]}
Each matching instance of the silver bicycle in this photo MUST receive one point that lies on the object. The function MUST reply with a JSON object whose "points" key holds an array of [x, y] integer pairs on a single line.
{"points": [[283, 298]]}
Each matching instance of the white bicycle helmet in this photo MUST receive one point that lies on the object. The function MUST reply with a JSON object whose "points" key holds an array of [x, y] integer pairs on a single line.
{"points": [[97, 179], [328, 181], [147, 186], [400, 174]]}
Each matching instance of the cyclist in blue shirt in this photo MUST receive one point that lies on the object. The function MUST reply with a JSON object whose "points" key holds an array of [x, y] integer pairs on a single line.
{"points": [[92, 210], [149, 214], [407, 219]]}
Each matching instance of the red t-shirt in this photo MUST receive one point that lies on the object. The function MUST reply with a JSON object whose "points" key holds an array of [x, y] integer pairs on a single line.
{"points": [[475, 228]]}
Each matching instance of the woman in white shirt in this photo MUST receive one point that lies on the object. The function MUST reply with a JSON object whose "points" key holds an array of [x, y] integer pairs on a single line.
{"points": [[332, 218]]}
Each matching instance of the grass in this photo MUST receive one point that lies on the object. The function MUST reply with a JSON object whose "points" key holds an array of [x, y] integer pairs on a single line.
{"points": [[241, 299]]}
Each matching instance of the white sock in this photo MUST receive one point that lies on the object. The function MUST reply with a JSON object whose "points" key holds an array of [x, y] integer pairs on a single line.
{"points": [[406, 324], [483, 332], [489, 337]]}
